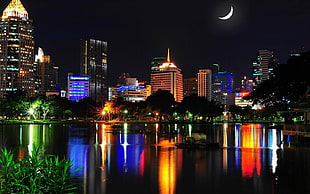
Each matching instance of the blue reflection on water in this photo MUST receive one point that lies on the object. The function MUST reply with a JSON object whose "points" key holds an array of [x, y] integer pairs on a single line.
{"points": [[129, 149], [78, 150]]}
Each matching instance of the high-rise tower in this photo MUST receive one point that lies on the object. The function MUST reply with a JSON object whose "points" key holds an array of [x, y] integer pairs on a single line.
{"points": [[205, 83], [94, 64], [16, 50], [168, 77], [263, 66], [46, 73]]}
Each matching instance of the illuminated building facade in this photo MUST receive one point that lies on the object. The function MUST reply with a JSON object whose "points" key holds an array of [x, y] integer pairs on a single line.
{"points": [[78, 87], [156, 62], [205, 83], [246, 84], [132, 90], [147, 90], [46, 74], [263, 66], [168, 77], [239, 99], [223, 87], [131, 93], [16, 50], [190, 86], [94, 63]]}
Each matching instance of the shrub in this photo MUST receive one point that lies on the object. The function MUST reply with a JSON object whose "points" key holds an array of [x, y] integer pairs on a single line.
{"points": [[37, 173]]}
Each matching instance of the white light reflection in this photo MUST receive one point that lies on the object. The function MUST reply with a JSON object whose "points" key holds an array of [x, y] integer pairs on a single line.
{"points": [[274, 147], [103, 156], [156, 132], [30, 145], [190, 128], [237, 136], [125, 144]]}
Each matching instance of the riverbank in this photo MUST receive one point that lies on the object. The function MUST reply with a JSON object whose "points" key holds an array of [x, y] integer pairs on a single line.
{"points": [[76, 121]]}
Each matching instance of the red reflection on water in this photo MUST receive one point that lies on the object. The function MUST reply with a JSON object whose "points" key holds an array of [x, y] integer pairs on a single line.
{"points": [[250, 162], [141, 164]]}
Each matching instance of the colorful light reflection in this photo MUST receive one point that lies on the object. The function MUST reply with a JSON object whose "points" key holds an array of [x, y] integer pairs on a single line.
{"points": [[167, 170], [252, 139]]}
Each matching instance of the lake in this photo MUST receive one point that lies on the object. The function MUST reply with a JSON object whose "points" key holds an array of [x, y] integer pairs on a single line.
{"points": [[144, 158]]}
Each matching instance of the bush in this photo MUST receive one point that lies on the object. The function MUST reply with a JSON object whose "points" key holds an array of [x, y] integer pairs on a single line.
{"points": [[37, 173]]}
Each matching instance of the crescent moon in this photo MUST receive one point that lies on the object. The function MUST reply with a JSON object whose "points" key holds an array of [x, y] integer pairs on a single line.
{"points": [[228, 15]]}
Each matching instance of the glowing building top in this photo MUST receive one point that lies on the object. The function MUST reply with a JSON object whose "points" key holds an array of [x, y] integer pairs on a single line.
{"points": [[15, 9], [168, 63], [40, 56]]}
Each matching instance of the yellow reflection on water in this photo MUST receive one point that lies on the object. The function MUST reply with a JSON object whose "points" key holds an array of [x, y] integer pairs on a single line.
{"points": [[253, 137], [250, 136], [167, 170]]}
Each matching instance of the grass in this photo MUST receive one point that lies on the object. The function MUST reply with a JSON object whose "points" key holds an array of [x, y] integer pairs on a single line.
{"points": [[37, 173]]}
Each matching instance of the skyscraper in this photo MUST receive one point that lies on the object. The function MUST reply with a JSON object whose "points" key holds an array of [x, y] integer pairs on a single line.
{"points": [[156, 62], [46, 73], [190, 86], [263, 66], [16, 50], [205, 83], [223, 87], [168, 77], [94, 64]]}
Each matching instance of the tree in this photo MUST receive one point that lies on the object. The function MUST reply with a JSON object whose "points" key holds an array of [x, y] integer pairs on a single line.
{"points": [[287, 86], [201, 106], [161, 101], [16, 104], [109, 110]]}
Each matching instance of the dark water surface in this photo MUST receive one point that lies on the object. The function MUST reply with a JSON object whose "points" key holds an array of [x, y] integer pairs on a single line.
{"points": [[143, 158]]}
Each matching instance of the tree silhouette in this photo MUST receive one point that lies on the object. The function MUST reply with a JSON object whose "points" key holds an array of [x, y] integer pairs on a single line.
{"points": [[290, 82], [200, 106], [161, 101]]}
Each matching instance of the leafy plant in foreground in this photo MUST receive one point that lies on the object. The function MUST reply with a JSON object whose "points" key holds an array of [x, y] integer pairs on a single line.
{"points": [[37, 173]]}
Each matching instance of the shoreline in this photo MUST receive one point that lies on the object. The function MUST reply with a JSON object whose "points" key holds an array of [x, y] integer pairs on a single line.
{"points": [[86, 121]]}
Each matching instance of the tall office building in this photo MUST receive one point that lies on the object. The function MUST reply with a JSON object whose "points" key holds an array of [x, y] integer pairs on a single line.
{"points": [[16, 50], [263, 66], [156, 62], [94, 64], [205, 83], [46, 73], [168, 77], [223, 87], [190, 86]]}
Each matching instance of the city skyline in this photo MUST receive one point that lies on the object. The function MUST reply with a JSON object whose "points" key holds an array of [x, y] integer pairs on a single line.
{"points": [[137, 32]]}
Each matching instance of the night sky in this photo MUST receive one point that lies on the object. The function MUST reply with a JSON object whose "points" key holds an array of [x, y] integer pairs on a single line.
{"points": [[138, 30]]}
